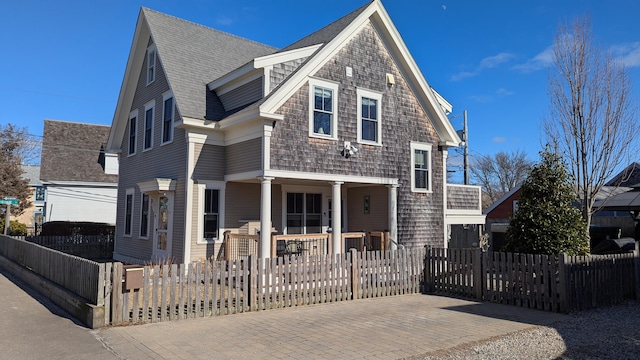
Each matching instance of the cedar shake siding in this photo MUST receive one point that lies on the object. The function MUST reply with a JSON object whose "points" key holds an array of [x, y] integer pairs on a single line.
{"points": [[279, 72], [243, 157], [420, 215], [161, 161]]}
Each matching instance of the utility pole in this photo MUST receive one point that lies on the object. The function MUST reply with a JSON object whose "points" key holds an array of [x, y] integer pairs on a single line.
{"points": [[465, 139]]}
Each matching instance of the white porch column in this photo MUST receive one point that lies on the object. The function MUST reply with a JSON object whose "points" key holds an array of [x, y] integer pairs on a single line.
{"points": [[265, 217], [393, 216], [336, 217]]}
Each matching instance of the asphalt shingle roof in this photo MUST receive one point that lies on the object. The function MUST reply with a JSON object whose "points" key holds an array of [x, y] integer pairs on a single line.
{"points": [[70, 152], [192, 55]]}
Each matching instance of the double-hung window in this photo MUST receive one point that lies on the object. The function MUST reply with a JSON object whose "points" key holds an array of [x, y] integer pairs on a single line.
{"points": [[128, 212], [144, 216], [133, 130], [210, 211], [167, 119], [369, 121], [421, 167], [148, 125], [323, 106], [151, 64]]}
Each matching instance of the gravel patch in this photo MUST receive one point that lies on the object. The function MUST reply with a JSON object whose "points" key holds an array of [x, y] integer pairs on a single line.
{"points": [[606, 333]]}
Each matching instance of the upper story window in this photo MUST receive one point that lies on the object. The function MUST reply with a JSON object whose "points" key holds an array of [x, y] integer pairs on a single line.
{"points": [[151, 64], [133, 131], [421, 167], [128, 212], [369, 121], [167, 119], [148, 125], [39, 193], [323, 105]]}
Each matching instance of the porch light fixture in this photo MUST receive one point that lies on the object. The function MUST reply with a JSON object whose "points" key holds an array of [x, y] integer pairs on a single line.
{"points": [[348, 150]]}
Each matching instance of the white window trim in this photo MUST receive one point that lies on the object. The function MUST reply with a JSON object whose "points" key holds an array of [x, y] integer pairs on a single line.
{"points": [[149, 106], [421, 146], [133, 114], [165, 97], [128, 192], [378, 97], [213, 185], [149, 219], [152, 50], [334, 123]]}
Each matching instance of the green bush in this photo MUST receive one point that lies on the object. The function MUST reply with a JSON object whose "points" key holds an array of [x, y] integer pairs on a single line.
{"points": [[15, 228]]}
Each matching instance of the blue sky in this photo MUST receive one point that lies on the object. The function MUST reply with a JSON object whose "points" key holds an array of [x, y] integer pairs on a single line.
{"points": [[65, 60]]}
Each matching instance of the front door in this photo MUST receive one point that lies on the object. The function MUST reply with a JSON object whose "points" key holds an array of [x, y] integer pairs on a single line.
{"points": [[162, 236]]}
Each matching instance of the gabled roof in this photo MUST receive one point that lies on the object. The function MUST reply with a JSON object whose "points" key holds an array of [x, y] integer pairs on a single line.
{"points": [[191, 56], [70, 152], [629, 176]]}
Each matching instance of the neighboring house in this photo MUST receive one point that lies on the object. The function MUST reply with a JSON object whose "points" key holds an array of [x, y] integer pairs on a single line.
{"points": [[76, 186], [32, 217], [215, 132]]}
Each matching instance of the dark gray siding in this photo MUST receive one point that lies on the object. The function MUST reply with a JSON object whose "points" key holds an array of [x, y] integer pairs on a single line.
{"points": [[166, 161], [244, 156], [420, 216], [244, 95]]}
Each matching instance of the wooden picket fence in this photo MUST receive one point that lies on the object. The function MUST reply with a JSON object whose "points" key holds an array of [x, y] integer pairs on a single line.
{"points": [[202, 289], [553, 283]]}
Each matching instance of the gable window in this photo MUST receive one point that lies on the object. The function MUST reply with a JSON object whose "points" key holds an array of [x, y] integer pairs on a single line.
{"points": [[128, 212], [148, 126], [323, 100], [151, 64], [144, 216], [369, 122], [421, 167], [133, 130], [304, 213], [167, 119]]}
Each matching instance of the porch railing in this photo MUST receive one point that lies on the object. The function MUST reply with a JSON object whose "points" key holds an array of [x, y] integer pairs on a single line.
{"points": [[238, 246]]}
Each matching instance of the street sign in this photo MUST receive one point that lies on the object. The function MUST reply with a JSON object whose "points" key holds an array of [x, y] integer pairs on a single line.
{"points": [[9, 202]]}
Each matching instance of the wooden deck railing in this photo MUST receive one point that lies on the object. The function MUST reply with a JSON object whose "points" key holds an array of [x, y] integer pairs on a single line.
{"points": [[238, 246]]}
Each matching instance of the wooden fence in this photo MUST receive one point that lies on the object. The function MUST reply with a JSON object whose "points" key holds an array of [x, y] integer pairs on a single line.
{"points": [[80, 276], [86, 246], [202, 289], [552, 283]]}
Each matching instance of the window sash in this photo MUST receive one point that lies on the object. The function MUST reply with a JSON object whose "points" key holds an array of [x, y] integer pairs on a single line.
{"points": [[304, 213], [151, 66], [211, 217], [144, 216], [128, 214], [167, 122], [322, 111], [421, 169], [132, 135], [148, 128], [369, 118]]}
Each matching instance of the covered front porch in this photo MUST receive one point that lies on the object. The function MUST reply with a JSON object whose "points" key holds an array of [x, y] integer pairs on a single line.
{"points": [[309, 216]]}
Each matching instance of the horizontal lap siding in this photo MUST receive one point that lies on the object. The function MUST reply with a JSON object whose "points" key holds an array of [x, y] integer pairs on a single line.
{"points": [[420, 216], [246, 94], [166, 161], [243, 157]]}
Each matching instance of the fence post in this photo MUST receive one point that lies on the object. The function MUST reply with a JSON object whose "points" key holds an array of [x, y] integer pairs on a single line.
{"points": [[116, 294], [478, 274], [354, 274], [636, 265], [563, 286], [427, 270]]}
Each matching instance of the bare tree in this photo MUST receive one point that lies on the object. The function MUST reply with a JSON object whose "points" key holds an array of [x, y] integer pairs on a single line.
{"points": [[12, 146], [499, 173], [592, 111]]}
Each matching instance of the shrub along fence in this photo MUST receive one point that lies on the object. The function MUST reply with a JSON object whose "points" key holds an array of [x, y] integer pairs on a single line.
{"points": [[553, 283]]}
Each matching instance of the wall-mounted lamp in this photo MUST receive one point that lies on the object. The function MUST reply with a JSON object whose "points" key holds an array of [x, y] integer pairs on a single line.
{"points": [[348, 150]]}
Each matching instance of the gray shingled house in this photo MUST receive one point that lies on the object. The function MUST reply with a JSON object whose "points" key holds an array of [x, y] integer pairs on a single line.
{"points": [[76, 186], [215, 133]]}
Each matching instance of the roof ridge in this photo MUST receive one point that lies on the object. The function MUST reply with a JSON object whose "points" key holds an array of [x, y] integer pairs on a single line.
{"points": [[206, 27], [75, 122]]}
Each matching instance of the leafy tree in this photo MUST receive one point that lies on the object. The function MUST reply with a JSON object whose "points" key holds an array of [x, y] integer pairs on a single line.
{"points": [[499, 173], [547, 222], [592, 112], [14, 142]]}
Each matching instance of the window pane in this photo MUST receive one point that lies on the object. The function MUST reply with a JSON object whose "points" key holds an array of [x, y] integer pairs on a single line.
{"points": [[369, 130], [420, 156], [168, 120], [314, 223], [321, 123], [373, 109], [144, 218], [421, 179], [328, 104], [148, 124], [128, 212], [318, 99], [211, 226], [294, 224]]}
